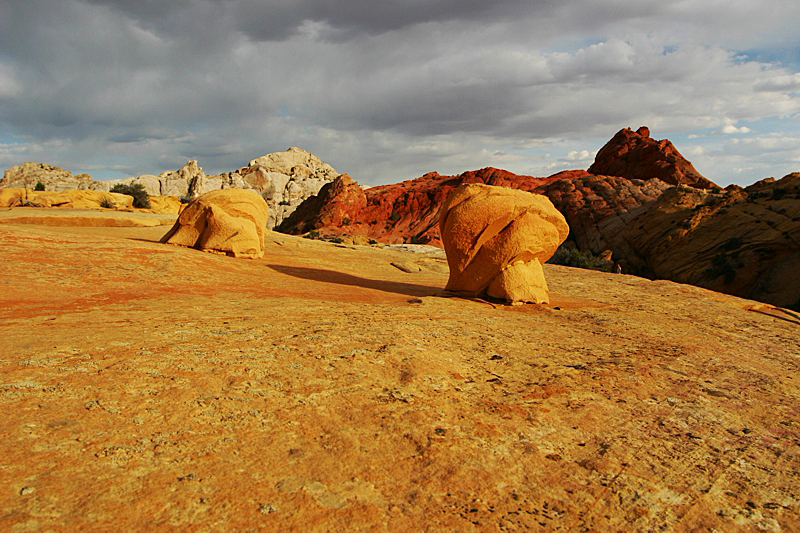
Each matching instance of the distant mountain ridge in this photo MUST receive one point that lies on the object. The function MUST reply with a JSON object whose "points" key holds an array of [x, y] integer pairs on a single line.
{"points": [[658, 217]]}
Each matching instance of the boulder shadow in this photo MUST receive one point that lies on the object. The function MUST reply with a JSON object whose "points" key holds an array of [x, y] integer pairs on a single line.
{"points": [[340, 278]]}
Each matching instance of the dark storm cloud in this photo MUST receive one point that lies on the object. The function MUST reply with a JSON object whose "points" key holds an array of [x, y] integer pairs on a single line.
{"points": [[371, 86]]}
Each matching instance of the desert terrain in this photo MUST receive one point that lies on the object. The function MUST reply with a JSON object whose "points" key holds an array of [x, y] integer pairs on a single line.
{"points": [[326, 387]]}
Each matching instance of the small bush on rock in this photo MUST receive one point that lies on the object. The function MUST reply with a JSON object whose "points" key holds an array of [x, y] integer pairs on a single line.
{"points": [[140, 197], [580, 259], [39, 186]]}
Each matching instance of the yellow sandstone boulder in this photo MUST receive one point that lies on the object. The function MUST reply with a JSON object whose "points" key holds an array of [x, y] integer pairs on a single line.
{"points": [[228, 221], [496, 240], [165, 205]]}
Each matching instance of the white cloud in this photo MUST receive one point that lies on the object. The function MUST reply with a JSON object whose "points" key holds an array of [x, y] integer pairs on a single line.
{"points": [[581, 156], [730, 129]]}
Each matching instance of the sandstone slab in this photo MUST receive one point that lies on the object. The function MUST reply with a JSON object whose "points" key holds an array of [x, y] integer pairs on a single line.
{"points": [[320, 388]]}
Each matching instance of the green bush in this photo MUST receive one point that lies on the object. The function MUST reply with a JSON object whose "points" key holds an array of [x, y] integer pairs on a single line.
{"points": [[140, 197], [39, 186], [573, 257], [107, 204], [313, 234]]}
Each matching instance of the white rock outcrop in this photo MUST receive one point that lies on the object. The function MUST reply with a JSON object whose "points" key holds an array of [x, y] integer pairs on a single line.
{"points": [[284, 179], [27, 175]]}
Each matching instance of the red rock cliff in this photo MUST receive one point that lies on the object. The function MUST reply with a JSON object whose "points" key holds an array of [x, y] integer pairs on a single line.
{"points": [[634, 155]]}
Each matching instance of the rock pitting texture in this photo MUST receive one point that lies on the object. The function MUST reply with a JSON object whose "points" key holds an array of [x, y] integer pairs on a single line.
{"points": [[230, 221], [152, 388], [634, 155], [497, 240]]}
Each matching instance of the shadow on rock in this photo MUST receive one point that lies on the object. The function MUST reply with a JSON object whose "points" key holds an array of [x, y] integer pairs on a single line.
{"points": [[340, 278]]}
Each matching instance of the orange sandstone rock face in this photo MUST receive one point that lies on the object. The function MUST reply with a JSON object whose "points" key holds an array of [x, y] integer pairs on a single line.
{"points": [[229, 221], [497, 239]]}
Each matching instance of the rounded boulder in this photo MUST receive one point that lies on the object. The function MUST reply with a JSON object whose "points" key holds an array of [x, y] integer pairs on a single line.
{"points": [[227, 221], [496, 240]]}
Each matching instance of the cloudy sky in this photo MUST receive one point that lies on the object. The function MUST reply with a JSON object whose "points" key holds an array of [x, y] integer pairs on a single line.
{"points": [[388, 90]]}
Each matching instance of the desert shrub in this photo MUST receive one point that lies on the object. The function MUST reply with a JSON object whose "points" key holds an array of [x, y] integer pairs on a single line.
{"points": [[313, 234], [39, 186], [140, 197], [336, 240], [416, 239], [580, 259], [185, 199], [107, 204], [373, 241], [284, 202], [734, 243], [394, 217], [721, 267], [716, 190]]}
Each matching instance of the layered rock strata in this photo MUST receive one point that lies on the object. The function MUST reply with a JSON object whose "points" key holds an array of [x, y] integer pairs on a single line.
{"points": [[744, 242]]}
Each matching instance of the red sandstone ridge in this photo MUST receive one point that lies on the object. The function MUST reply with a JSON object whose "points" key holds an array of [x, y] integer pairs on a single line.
{"points": [[634, 155], [409, 211], [403, 212]]}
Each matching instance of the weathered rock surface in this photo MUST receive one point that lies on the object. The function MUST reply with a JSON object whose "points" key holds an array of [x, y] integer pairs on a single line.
{"points": [[287, 178], [634, 155], [497, 239], [229, 221], [741, 242], [336, 205], [68, 199], [53, 178], [152, 388], [284, 179], [409, 211]]}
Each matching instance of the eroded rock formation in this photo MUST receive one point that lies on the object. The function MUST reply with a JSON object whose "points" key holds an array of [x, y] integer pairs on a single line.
{"points": [[284, 179], [229, 221], [497, 239], [744, 242], [53, 178], [71, 198], [634, 155], [409, 211]]}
